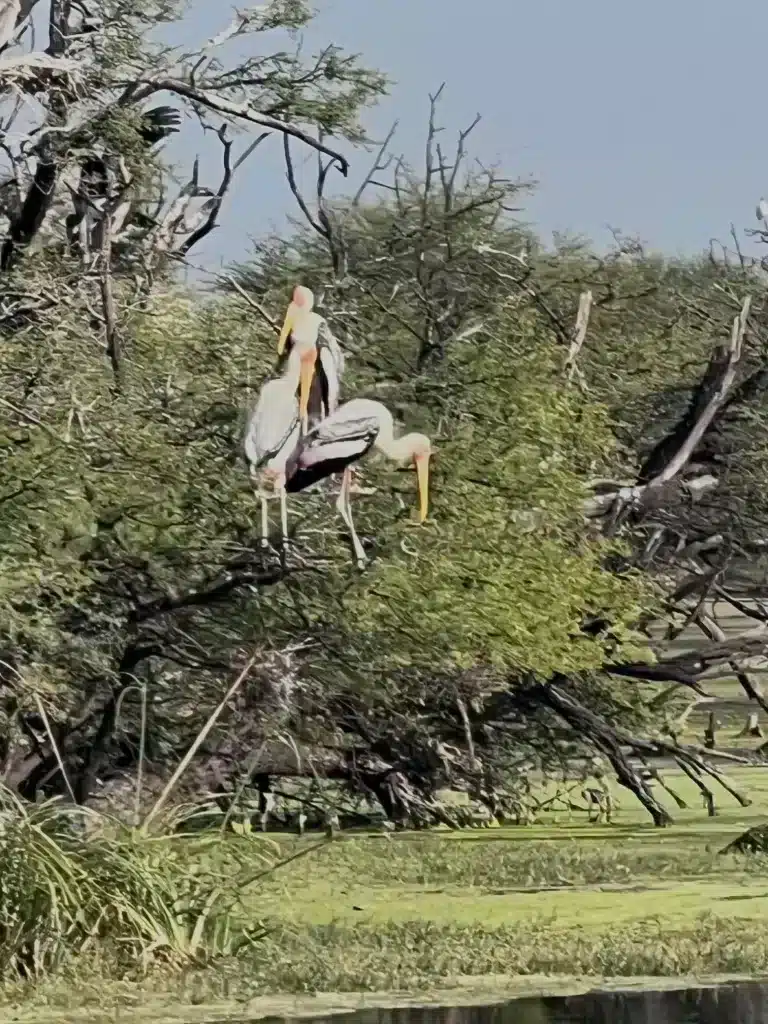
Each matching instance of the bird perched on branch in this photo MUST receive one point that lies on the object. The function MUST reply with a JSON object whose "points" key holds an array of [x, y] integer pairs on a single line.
{"points": [[321, 357], [341, 440], [271, 435], [158, 123], [92, 193]]}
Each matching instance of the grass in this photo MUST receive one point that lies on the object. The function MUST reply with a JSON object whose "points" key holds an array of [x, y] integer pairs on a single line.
{"points": [[427, 911], [564, 899], [75, 882]]}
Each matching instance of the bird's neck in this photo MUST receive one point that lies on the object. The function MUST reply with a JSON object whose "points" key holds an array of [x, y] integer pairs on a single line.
{"points": [[398, 449], [292, 372]]}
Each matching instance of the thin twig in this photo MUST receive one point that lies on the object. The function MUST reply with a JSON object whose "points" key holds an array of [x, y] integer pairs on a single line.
{"points": [[54, 746], [199, 739]]}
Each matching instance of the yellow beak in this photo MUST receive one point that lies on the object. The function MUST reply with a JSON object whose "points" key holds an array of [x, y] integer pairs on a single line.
{"points": [[286, 329], [306, 373], [422, 475]]}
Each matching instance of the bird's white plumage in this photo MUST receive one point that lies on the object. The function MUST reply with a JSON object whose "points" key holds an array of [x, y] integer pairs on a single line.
{"points": [[10, 10], [272, 430], [328, 340], [331, 359], [349, 431], [330, 451], [355, 418], [310, 333]]}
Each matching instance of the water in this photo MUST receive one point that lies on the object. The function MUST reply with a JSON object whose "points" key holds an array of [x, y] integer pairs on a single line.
{"points": [[737, 1003]]}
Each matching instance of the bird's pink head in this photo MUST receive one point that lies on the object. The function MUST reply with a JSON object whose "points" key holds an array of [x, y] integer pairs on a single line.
{"points": [[300, 305], [303, 298]]}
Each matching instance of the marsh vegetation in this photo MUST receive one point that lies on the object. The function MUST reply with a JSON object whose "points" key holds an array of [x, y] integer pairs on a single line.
{"points": [[583, 609]]}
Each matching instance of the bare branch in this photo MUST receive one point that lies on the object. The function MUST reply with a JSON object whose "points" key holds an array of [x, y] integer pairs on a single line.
{"points": [[241, 111], [38, 201], [377, 165], [111, 332], [323, 222], [291, 176], [214, 207], [579, 335], [232, 282], [723, 365]]}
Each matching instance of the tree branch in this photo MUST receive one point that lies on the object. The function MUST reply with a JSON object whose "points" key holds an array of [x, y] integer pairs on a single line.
{"points": [[671, 456], [241, 111]]}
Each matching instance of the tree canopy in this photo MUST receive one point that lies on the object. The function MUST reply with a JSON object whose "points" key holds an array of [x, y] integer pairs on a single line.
{"points": [[598, 421]]}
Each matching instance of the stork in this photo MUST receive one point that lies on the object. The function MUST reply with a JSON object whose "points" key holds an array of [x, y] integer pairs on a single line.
{"points": [[321, 354], [341, 440], [271, 434]]}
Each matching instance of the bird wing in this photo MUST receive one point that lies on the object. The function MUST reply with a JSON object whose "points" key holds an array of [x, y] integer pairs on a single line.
{"points": [[342, 427], [327, 340], [331, 446], [158, 123], [271, 424]]}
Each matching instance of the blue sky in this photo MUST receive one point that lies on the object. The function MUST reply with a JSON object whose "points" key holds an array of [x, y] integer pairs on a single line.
{"points": [[650, 118]]}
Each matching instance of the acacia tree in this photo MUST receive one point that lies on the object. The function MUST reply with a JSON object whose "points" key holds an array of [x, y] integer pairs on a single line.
{"points": [[125, 537], [129, 561], [455, 316]]}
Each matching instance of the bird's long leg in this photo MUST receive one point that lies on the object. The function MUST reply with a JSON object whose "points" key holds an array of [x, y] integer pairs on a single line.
{"points": [[259, 489], [264, 520], [357, 546], [283, 512], [345, 511], [340, 499]]}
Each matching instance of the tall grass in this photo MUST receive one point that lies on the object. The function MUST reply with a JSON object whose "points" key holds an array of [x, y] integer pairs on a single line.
{"points": [[73, 879]]}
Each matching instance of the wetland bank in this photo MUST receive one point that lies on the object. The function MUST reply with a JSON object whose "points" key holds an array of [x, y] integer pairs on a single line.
{"points": [[249, 748], [478, 916]]}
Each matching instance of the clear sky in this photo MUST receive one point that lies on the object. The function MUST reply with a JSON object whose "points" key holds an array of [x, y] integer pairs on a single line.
{"points": [[649, 117]]}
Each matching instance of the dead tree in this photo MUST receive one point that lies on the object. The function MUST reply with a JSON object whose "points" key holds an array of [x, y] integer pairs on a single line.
{"points": [[752, 727], [709, 733]]}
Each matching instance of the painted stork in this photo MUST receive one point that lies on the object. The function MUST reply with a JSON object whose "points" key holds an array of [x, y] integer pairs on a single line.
{"points": [[271, 435], [321, 355], [341, 440]]}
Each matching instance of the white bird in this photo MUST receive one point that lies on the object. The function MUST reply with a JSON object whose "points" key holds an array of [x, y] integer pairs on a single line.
{"points": [[10, 11], [762, 210], [342, 439], [271, 434], [322, 359]]}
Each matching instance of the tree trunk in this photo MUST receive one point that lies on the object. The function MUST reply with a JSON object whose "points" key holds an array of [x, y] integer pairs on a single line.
{"points": [[752, 726], [592, 727]]}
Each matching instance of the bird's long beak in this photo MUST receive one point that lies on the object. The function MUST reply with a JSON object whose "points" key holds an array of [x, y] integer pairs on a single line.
{"points": [[422, 474], [290, 317], [306, 373]]}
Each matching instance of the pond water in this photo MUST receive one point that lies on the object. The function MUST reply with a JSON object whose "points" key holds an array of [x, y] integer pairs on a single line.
{"points": [[738, 1003]]}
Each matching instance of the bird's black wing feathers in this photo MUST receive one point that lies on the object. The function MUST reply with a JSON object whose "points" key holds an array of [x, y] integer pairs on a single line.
{"points": [[158, 123], [298, 479], [329, 448]]}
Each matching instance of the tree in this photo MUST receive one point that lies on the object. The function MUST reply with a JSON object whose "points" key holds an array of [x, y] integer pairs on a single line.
{"points": [[510, 630], [486, 301], [124, 545]]}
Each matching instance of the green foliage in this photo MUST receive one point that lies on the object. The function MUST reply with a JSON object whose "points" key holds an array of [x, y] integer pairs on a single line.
{"points": [[505, 575], [74, 879]]}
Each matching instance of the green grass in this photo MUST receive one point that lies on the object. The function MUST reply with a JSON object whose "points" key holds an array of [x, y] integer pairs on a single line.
{"points": [[625, 899], [423, 911]]}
